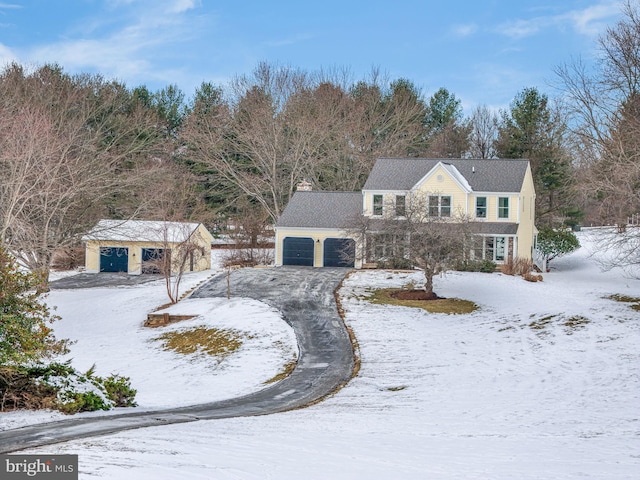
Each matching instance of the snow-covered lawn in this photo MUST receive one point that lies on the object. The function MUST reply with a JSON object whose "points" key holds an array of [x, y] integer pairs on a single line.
{"points": [[542, 382]]}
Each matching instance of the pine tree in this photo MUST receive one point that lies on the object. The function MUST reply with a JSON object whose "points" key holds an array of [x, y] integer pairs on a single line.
{"points": [[25, 335]]}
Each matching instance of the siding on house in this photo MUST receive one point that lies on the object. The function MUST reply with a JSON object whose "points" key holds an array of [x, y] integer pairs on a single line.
{"points": [[317, 215], [321, 215], [136, 235]]}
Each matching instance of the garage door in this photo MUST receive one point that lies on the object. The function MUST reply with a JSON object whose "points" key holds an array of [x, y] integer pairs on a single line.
{"points": [[339, 252], [153, 259], [114, 259], [298, 251]]}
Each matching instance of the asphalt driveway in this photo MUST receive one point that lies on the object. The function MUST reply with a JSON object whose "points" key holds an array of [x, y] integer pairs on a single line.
{"points": [[103, 279], [305, 296]]}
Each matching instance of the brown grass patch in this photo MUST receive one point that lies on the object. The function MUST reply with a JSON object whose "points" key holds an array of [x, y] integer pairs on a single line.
{"points": [[626, 299], [287, 369], [209, 341], [453, 306]]}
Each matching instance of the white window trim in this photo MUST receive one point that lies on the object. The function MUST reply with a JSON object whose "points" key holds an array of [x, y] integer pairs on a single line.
{"points": [[439, 196], [498, 217]]}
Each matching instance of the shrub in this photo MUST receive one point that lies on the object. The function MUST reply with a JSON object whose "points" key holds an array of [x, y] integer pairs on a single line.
{"points": [[69, 258], [485, 266], [119, 391], [518, 266], [60, 386], [247, 257], [395, 263], [25, 334], [530, 277], [555, 243]]}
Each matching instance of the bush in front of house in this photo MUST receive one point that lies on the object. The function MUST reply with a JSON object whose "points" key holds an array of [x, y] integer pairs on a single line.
{"points": [[59, 386], [485, 266], [398, 263]]}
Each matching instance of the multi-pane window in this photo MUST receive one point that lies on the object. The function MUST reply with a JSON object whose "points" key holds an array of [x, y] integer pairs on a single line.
{"points": [[385, 247], [377, 204], [503, 207], [439, 206], [500, 246], [481, 207], [494, 249], [400, 205]]}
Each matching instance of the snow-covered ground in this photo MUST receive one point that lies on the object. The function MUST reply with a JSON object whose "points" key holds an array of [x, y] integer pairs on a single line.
{"points": [[542, 382]]}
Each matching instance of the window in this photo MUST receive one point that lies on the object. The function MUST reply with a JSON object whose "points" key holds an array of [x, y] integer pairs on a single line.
{"points": [[439, 206], [400, 205], [503, 207], [500, 249], [385, 246], [377, 205], [495, 249], [481, 207]]}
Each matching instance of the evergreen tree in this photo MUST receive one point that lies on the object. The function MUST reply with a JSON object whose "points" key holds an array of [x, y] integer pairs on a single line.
{"points": [[533, 130], [25, 335]]}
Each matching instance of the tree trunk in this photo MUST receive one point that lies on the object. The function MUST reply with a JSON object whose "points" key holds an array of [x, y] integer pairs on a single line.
{"points": [[428, 286]]}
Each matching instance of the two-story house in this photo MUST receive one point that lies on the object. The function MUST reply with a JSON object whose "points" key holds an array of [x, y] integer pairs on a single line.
{"points": [[496, 196]]}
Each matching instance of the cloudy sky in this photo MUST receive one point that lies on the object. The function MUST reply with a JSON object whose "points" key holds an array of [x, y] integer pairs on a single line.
{"points": [[484, 51]]}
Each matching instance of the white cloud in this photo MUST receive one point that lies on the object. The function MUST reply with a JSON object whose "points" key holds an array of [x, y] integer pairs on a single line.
{"points": [[523, 28], [591, 20], [135, 51], [6, 56], [588, 21], [464, 30], [179, 6]]}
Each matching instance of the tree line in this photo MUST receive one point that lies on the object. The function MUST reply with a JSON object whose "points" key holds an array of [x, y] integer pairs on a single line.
{"points": [[76, 148]]}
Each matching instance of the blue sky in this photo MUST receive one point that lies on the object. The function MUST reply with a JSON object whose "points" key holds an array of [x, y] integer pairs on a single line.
{"points": [[483, 51]]}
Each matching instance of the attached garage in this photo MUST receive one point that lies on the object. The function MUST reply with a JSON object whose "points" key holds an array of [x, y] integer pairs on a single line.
{"points": [[315, 229], [114, 259], [298, 251], [339, 252]]}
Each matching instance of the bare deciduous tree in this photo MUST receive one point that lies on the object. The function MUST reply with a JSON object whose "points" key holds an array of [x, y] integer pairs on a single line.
{"points": [[282, 125], [432, 238], [71, 146], [606, 118], [484, 131]]}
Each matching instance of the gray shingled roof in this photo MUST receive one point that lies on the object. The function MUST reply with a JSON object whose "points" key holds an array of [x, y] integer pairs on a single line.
{"points": [[321, 210], [477, 228], [495, 228], [483, 175]]}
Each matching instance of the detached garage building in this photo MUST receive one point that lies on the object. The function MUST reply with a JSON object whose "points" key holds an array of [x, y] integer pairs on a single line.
{"points": [[312, 230], [136, 246]]}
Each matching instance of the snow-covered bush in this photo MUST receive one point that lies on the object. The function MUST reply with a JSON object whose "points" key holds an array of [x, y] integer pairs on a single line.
{"points": [[59, 386]]}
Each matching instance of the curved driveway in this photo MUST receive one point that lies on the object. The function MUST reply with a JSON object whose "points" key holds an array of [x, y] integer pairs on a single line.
{"points": [[305, 298]]}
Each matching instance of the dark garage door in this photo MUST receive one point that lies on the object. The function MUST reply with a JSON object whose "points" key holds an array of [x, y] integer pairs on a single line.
{"points": [[298, 251], [114, 259], [152, 260], [339, 252]]}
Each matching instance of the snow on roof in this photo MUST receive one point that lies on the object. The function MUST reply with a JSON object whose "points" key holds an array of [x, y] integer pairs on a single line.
{"points": [[455, 173], [141, 231]]}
